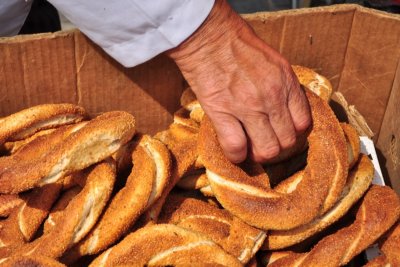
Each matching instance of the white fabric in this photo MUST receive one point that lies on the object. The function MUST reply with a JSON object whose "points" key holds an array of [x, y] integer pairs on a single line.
{"points": [[12, 16], [133, 31]]}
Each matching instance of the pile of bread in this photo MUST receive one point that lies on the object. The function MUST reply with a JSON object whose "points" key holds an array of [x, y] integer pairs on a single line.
{"points": [[77, 191]]}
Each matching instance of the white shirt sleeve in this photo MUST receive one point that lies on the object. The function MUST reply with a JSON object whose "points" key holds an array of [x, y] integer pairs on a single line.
{"points": [[134, 31], [13, 14]]}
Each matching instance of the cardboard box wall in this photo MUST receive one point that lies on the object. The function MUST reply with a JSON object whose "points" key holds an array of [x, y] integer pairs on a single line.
{"points": [[358, 49]]}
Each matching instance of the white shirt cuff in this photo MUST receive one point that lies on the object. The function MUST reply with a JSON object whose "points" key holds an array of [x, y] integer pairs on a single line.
{"points": [[13, 15], [135, 31]]}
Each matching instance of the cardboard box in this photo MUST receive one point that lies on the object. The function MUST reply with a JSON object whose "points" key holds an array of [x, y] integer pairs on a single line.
{"points": [[358, 49]]}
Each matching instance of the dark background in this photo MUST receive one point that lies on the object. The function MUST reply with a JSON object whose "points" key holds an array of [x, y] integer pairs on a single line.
{"points": [[43, 17]]}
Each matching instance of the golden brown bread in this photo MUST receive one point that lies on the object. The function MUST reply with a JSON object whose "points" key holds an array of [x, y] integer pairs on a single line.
{"points": [[39, 147], [8, 202], [314, 81], [14, 146], [95, 141], [233, 235], [31, 261], [78, 218], [182, 116], [222, 228], [123, 156], [358, 182], [353, 143], [25, 220], [165, 245], [379, 210], [77, 178], [182, 143], [150, 175], [250, 197], [58, 208], [194, 180], [25, 123], [390, 249], [190, 103]]}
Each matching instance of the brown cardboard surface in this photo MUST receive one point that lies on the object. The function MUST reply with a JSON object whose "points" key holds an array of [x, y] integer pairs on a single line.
{"points": [[318, 41], [35, 70], [316, 38], [268, 27], [150, 91], [67, 67], [389, 137], [370, 65]]}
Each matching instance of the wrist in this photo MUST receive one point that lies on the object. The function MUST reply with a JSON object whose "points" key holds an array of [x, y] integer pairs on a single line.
{"points": [[221, 25]]}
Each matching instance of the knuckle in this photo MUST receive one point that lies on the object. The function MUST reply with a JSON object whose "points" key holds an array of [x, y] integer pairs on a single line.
{"points": [[269, 152], [232, 144], [302, 123], [288, 141]]}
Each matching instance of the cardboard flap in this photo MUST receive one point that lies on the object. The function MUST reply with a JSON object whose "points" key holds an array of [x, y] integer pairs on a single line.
{"points": [[316, 38], [370, 65], [36, 69], [150, 91], [389, 137], [68, 67]]}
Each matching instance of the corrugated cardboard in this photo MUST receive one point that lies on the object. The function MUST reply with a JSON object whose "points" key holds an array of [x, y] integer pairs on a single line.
{"points": [[358, 49]]}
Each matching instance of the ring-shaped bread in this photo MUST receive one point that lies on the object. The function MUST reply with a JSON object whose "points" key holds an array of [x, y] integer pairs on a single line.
{"points": [[249, 196]]}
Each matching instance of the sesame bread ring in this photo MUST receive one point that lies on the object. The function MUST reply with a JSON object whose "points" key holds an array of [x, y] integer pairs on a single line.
{"points": [[8, 203], [58, 208], [194, 180], [358, 182], [252, 199], [150, 175], [24, 221], [190, 103], [197, 179], [39, 147], [187, 97], [390, 249], [181, 116], [182, 143], [77, 178], [79, 216], [165, 245], [25, 123], [314, 81], [97, 140], [353, 143], [31, 261], [379, 210], [14, 146], [232, 234]]}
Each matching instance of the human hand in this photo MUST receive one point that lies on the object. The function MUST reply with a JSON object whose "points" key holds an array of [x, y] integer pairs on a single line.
{"points": [[248, 90]]}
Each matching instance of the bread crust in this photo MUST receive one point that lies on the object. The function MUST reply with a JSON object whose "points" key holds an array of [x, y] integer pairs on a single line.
{"points": [[358, 182], [379, 210], [148, 179], [94, 142], [25, 123], [249, 196], [233, 235], [165, 245]]}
